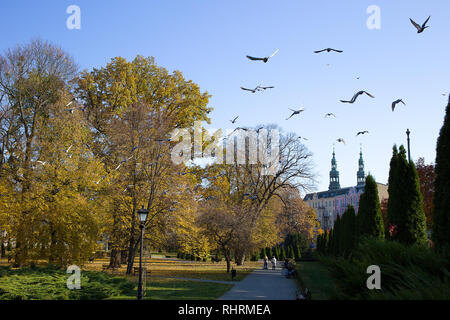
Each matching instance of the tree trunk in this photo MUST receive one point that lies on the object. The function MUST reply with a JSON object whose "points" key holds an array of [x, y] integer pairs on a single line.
{"points": [[123, 256], [3, 250], [228, 264], [115, 260], [131, 255], [240, 259], [51, 258]]}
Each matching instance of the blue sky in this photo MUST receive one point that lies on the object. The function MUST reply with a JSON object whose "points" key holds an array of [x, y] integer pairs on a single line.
{"points": [[208, 40]]}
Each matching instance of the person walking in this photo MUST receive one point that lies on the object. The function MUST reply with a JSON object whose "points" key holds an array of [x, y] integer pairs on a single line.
{"points": [[274, 263], [266, 263]]}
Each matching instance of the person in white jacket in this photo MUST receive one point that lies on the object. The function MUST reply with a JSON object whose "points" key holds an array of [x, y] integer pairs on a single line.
{"points": [[274, 263]]}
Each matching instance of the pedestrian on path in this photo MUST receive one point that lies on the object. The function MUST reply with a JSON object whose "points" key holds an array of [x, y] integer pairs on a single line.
{"points": [[274, 263], [266, 263]]}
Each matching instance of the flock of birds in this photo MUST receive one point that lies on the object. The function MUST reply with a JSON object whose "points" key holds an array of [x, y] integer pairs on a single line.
{"points": [[420, 29]]}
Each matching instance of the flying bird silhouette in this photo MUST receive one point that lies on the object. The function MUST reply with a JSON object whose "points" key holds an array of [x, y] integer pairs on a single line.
{"points": [[262, 59], [341, 140], [294, 112], [234, 120], [238, 128], [251, 90], [396, 102], [328, 50], [329, 115], [356, 96], [362, 132], [265, 88], [420, 28], [302, 138], [71, 101]]}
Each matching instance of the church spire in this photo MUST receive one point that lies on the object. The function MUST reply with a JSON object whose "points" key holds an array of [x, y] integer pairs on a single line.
{"points": [[334, 175], [360, 176]]}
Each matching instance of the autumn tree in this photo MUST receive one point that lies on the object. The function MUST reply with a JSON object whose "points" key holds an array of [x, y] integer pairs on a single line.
{"points": [[33, 78], [133, 108]]}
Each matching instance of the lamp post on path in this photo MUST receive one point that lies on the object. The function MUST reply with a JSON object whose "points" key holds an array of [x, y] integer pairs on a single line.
{"points": [[142, 214]]}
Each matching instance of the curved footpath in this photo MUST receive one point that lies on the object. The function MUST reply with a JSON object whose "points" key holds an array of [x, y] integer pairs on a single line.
{"points": [[263, 285]]}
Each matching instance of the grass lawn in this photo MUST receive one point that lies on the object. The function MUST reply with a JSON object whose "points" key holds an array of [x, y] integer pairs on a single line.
{"points": [[49, 283], [184, 269], [315, 276], [173, 289]]}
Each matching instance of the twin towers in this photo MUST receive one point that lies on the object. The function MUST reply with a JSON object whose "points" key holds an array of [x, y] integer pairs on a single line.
{"points": [[334, 173]]}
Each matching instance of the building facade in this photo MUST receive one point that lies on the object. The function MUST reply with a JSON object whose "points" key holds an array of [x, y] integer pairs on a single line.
{"points": [[333, 202]]}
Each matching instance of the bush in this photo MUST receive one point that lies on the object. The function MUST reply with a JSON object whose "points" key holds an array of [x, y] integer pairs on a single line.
{"points": [[408, 272], [50, 284]]}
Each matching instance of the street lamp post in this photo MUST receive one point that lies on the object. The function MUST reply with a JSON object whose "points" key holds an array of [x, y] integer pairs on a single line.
{"points": [[142, 214], [409, 153]]}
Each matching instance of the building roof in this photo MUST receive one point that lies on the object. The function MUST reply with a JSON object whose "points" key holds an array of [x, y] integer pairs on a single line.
{"points": [[333, 193], [330, 193]]}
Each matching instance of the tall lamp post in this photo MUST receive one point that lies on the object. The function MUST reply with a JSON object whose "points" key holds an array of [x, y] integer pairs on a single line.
{"points": [[142, 214], [409, 153]]}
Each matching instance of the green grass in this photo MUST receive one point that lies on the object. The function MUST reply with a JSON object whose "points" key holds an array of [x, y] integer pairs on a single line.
{"points": [[49, 283], [173, 289], [316, 277]]}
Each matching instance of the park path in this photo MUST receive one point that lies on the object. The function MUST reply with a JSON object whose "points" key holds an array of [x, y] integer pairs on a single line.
{"points": [[263, 285]]}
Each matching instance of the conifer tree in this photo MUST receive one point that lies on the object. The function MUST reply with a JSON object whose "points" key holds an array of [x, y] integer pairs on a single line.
{"points": [[262, 253], [268, 252], [326, 239], [282, 253], [336, 235], [349, 230], [406, 218], [275, 252], [370, 219], [441, 212], [393, 187], [414, 228], [330, 242]]}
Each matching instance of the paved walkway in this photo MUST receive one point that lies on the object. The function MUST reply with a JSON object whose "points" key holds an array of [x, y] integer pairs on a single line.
{"points": [[263, 285]]}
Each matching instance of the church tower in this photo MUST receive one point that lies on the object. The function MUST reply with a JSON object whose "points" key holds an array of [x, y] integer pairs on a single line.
{"points": [[334, 175], [360, 176]]}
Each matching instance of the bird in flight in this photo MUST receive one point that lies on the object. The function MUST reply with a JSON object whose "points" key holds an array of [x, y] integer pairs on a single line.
{"points": [[238, 128], [329, 115], [356, 96], [262, 59], [294, 112], [362, 132], [265, 88], [71, 101], [302, 138], [252, 90], [341, 140], [328, 50], [419, 28], [395, 103], [97, 182], [234, 120]]}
